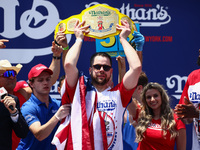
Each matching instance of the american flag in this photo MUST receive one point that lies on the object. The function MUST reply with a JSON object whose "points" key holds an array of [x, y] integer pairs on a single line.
{"points": [[84, 129]]}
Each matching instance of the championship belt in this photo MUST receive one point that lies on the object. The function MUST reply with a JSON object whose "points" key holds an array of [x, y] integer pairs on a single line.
{"points": [[101, 18]]}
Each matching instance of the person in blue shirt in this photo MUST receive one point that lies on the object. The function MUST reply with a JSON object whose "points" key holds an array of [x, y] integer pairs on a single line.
{"points": [[41, 112]]}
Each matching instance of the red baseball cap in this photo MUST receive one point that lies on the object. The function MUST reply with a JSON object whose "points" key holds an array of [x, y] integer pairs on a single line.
{"points": [[20, 85], [37, 70]]}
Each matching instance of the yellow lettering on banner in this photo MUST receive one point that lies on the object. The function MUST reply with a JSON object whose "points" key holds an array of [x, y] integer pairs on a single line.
{"points": [[110, 44]]}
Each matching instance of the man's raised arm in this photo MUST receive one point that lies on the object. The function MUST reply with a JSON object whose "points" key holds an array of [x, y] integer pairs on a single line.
{"points": [[72, 56], [131, 77], [55, 63]]}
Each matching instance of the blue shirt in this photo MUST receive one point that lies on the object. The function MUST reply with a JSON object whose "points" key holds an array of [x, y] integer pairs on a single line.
{"points": [[129, 136], [34, 110]]}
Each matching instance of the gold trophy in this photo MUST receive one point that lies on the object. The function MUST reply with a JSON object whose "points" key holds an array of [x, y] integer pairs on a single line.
{"points": [[101, 18]]}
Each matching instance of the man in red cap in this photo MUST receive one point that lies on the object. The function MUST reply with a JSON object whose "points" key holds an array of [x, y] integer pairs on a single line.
{"points": [[41, 112], [24, 89]]}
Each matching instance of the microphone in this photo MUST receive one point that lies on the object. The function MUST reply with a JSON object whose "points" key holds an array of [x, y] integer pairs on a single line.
{"points": [[4, 93]]}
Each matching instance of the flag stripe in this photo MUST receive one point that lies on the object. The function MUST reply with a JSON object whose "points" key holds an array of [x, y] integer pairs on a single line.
{"points": [[103, 129], [85, 127], [65, 131], [77, 132]]}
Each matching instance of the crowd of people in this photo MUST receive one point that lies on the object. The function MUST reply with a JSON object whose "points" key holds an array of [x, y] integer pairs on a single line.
{"points": [[93, 113]]}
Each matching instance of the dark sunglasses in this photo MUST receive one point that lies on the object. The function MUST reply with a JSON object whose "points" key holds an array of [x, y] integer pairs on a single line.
{"points": [[8, 73], [105, 67]]}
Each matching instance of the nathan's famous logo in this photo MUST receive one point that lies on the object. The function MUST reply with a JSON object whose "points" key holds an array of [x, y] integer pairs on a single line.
{"points": [[107, 105], [38, 25], [100, 13], [193, 93], [177, 83], [154, 126], [148, 17], [100, 19], [33, 23], [100, 27], [194, 96]]}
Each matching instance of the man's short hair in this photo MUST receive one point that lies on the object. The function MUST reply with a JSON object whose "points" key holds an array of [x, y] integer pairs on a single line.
{"points": [[103, 54], [143, 80]]}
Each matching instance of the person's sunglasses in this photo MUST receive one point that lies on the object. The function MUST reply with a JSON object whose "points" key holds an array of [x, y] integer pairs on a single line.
{"points": [[8, 73], [105, 67]]}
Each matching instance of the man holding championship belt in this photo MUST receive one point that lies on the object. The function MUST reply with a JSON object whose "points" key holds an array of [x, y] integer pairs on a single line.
{"points": [[97, 109]]}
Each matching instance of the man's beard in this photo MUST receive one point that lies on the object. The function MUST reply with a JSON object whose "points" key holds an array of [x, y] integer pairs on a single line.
{"points": [[97, 82]]}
